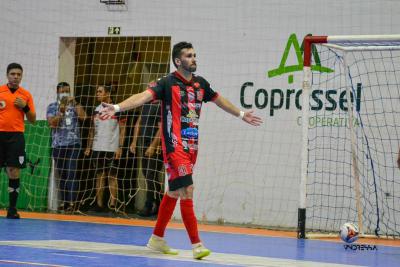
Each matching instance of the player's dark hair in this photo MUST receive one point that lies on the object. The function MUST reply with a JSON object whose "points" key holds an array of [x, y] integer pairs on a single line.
{"points": [[177, 50], [61, 85], [14, 66]]}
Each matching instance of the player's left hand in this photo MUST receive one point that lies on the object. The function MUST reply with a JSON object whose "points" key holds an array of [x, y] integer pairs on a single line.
{"points": [[106, 111], [252, 119], [19, 102]]}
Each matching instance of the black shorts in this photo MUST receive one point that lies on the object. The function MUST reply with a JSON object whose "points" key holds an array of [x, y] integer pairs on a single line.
{"points": [[103, 160], [12, 150], [180, 182]]}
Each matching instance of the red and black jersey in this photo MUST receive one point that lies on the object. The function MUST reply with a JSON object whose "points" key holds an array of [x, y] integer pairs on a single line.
{"points": [[180, 110]]}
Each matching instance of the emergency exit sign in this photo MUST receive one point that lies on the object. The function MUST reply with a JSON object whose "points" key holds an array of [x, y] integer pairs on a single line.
{"points": [[114, 30]]}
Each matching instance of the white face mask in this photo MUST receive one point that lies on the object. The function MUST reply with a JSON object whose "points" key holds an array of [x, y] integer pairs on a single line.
{"points": [[60, 96]]}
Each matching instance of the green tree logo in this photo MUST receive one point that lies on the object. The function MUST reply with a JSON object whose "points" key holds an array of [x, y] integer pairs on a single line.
{"points": [[282, 69]]}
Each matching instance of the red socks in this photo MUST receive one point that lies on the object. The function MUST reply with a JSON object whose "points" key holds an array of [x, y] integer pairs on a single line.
{"points": [[189, 219], [165, 211]]}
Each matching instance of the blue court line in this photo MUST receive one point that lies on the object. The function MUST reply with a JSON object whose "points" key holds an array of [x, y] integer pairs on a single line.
{"points": [[275, 247]]}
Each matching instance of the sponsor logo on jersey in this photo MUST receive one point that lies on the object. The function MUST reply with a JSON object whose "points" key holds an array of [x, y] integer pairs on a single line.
{"points": [[190, 146], [190, 133], [195, 121], [185, 144], [191, 105], [200, 95], [174, 140], [192, 114], [2, 104], [191, 96], [182, 170]]}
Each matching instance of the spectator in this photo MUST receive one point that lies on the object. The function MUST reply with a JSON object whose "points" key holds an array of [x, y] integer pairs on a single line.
{"points": [[147, 137], [63, 118], [106, 139]]}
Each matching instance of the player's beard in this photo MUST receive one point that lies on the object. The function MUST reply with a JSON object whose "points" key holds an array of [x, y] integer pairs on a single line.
{"points": [[190, 68]]}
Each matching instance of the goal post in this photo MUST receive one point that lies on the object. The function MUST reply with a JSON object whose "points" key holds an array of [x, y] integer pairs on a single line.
{"points": [[350, 137]]}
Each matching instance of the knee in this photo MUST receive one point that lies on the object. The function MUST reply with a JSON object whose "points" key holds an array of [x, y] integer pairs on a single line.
{"points": [[173, 194], [189, 190]]}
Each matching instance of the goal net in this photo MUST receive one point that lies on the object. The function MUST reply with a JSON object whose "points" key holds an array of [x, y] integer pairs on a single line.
{"points": [[76, 169], [351, 135]]}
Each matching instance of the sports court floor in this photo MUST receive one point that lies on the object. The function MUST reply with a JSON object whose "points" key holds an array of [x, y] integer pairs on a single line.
{"points": [[61, 240]]}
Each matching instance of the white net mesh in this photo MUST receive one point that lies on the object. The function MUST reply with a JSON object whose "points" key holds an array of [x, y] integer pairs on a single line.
{"points": [[373, 79]]}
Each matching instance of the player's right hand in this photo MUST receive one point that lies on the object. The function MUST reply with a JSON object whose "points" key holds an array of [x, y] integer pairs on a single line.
{"points": [[106, 111], [19, 102], [61, 108]]}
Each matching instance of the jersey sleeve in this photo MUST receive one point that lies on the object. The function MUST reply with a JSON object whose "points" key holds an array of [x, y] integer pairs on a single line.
{"points": [[30, 102], [157, 89], [209, 93], [51, 111]]}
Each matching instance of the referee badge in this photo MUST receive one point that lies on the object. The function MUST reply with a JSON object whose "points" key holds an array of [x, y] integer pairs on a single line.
{"points": [[2, 104], [21, 159]]}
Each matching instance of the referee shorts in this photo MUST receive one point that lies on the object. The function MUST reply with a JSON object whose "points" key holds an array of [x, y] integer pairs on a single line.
{"points": [[12, 150]]}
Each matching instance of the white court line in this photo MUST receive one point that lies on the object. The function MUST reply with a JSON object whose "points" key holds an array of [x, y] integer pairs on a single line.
{"points": [[184, 255], [73, 255], [32, 263]]}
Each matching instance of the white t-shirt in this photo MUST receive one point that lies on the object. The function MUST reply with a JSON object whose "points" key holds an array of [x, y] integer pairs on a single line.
{"points": [[106, 132]]}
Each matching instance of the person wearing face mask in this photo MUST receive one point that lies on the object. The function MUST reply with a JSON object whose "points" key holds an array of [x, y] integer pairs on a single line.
{"points": [[63, 117]]}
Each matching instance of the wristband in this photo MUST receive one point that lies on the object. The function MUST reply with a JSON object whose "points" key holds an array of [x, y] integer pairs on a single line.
{"points": [[241, 114], [117, 108], [26, 109]]}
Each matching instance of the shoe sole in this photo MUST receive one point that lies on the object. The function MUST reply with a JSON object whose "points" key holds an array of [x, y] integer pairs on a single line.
{"points": [[171, 252], [202, 255]]}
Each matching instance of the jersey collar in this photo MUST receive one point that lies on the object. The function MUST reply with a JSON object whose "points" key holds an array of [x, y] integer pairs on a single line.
{"points": [[180, 77], [12, 90]]}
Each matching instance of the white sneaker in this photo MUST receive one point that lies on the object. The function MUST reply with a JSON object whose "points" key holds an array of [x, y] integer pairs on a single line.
{"points": [[159, 244], [200, 252]]}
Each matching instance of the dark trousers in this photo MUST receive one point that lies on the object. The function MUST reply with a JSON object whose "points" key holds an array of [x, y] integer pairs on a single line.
{"points": [[151, 168], [66, 161]]}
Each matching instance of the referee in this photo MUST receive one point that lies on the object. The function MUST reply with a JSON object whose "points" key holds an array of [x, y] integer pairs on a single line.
{"points": [[15, 103]]}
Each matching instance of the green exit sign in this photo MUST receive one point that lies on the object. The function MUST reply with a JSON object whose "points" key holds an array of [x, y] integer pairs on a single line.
{"points": [[114, 30]]}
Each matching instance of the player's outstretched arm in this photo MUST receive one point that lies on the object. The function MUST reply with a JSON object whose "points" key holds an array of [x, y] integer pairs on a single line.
{"points": [[247, 116], [137, 100]]}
